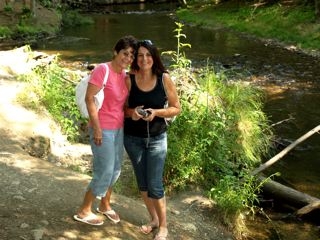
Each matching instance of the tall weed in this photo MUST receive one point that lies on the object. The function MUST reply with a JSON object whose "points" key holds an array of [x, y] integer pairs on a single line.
{"points": [[52, 87], [221, 131], [221, 134]]}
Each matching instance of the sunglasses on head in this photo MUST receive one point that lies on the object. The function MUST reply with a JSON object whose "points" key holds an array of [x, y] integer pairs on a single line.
{"points": [[146, 42]]}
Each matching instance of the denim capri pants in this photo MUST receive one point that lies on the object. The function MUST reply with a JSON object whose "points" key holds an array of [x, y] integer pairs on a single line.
{"points": [[148, 156], [107, 160]]}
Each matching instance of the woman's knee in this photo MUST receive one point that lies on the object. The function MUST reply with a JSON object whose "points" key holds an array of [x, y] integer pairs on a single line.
{"points": [[156, 192]]}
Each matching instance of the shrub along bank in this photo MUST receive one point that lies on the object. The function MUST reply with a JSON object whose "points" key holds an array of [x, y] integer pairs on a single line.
{"points": [[20, 26], [220, 136], [289, 22]]}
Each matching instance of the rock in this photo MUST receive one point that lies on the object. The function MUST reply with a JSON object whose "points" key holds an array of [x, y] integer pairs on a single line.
{"points": [[19, 198], [24, 225], [176, 212], [37, 234], [38, 146], [189, 227], [45, 222], [70, 235]]}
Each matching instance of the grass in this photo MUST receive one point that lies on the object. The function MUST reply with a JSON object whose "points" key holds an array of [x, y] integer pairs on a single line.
{"points": [[221, 134], [5, 32], [289, 24], [23, 25]]}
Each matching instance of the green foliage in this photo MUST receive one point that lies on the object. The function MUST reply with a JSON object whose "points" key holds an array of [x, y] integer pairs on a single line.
{"points": [[26, 11], [221, 134], [5, 32], [51, 87], [73, 18], [25, 31], [289, 24], [178, 57], [8, 8], [56, 4], [221, 131], [234, 195], [28, 27]]}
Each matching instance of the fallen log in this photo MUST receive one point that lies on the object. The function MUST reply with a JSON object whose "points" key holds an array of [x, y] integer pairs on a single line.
{"points": [[291, 196], [312, 206], [285, 151]]}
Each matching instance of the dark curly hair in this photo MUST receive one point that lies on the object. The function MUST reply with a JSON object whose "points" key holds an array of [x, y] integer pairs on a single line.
{"points": [[126, 42], [157, 67]]}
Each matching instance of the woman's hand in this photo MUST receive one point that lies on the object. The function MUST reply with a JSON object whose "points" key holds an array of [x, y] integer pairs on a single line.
{"points": [[151, 114], [135, 113], [97, 136], [145, 114]]}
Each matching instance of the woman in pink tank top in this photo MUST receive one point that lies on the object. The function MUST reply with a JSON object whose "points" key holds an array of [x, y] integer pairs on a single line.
{"points": [[106, 132]]}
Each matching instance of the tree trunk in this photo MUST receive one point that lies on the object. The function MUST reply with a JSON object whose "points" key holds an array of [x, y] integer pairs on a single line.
{"points": [[290, 196], [310, 207], [285, 151]]}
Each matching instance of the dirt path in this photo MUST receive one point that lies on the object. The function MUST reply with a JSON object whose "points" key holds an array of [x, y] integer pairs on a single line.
{"points": [[38, 197]]}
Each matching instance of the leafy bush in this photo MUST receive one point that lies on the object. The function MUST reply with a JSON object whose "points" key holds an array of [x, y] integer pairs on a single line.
{"points": [[220, 136], [179, 59], [73, 18], [8, 8], [5, 32], [53, 87], [221, 131], [288, 23]]}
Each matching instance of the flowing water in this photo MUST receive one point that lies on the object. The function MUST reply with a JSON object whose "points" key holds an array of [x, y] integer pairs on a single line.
{"points": [[290, 79]]}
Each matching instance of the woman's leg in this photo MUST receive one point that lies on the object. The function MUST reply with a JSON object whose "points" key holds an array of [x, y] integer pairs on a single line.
{"points": [[136, 149], [94, 189], [115, 156], [156, 155], [154, 222], [88, 199], [160, 207], [85, 210], [102, 172], [148, 163], [105, 201]]}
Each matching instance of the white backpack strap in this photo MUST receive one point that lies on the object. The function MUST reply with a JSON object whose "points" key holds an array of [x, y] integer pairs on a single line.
{"points": [[106, 76], [166, 105], [164, 88]]}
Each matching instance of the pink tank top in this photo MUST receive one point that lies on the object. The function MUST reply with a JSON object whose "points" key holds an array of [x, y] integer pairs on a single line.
{"points": [[111, 114]]}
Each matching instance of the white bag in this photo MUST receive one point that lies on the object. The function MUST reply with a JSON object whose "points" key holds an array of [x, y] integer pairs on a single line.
{"points": [[168, 120], [81, 90]]}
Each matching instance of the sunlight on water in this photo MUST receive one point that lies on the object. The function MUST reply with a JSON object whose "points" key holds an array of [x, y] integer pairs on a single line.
{"points": [[291, 82]]}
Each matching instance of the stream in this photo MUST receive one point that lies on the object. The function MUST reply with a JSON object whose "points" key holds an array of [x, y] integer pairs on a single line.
{"points": [[291, 81]]}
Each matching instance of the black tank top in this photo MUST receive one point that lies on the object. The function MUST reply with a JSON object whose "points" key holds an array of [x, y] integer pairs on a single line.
{"points": [[155, 99]]}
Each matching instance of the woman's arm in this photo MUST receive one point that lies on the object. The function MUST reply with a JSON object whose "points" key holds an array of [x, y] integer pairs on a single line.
{"points": [[93, 113], [130, 112], [174, 107]]}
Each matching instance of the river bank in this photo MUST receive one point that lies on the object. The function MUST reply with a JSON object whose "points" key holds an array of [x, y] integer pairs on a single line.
{"points": [[193, 45], [41, 189], [18, 28], [243, 18], [290, 25]]}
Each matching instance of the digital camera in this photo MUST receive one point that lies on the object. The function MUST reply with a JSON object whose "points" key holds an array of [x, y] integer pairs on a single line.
{"points": [[144, 113]]}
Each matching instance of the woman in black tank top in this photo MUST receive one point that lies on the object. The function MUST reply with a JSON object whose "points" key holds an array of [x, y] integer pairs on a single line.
{"points": [[145, 137]]}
